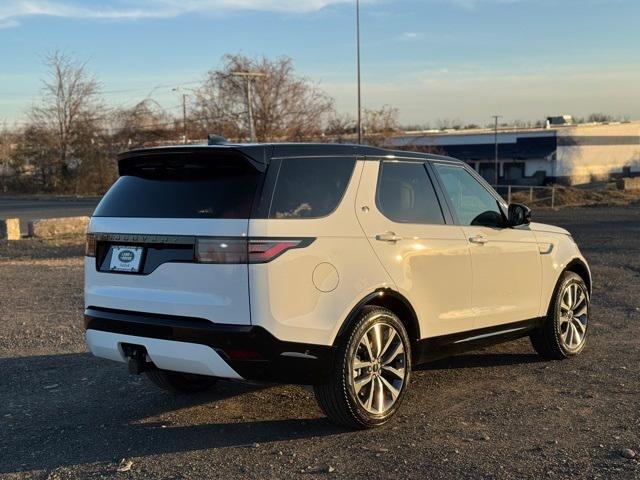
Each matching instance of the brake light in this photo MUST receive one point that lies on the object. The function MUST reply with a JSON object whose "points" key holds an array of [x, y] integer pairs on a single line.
{"points": [[90, 245], [243, 250], [263, 251]]}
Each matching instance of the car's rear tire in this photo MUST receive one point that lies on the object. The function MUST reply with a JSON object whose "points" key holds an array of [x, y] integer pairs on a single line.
{"points": [[177, 382], [373, 368], [564, 331]]}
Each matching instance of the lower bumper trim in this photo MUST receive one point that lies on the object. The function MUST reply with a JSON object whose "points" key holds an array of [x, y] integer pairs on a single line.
{"points": [[277, 361]]}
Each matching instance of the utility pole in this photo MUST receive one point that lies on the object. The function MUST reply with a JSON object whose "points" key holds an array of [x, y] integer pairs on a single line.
{"points": [[184, 111], [496, 162], [359, 76], [184, 118], [249, 78]]}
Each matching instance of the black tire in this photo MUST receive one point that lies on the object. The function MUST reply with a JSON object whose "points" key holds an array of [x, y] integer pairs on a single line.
{"points": [[548, 341], [177, 382], [338, 398]]}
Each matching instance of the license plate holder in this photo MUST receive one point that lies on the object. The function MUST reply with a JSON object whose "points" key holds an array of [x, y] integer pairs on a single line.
{"points": [[126, 259]]}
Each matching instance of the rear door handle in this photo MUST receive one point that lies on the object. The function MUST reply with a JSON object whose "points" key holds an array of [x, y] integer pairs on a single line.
{"points": [[479, 240], [390, 237]]}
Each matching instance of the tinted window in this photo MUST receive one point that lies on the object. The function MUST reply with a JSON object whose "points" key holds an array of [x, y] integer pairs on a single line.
{"points": [[472, 203], [176, 188], [310, 187], [406, 194]]}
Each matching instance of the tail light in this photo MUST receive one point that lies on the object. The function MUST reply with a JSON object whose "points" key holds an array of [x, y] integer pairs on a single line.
{"points": [[234, 250], [90, 245]]}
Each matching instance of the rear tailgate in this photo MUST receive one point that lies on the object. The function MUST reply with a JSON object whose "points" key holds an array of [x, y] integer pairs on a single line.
{"points": [[162, 208]]}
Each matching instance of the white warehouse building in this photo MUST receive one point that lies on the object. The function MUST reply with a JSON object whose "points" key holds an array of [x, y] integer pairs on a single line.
{"points": [[569, 154]]}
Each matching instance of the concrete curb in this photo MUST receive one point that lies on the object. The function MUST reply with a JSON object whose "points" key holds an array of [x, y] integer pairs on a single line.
{"points": [[10, 229], [53, 227]]}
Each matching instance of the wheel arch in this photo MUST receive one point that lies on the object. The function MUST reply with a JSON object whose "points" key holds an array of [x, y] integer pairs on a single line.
{"points": [[580, 268], [386, 298]]}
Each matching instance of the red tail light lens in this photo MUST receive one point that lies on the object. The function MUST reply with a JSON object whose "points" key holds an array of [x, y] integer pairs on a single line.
{"points": [[242, 250], [90, 245], [263, 251]]}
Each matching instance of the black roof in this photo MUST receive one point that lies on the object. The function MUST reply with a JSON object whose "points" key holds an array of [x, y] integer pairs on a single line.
{"points": [[260, 153]]}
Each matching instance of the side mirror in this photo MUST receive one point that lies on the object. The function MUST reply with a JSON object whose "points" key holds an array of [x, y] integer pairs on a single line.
{"points": [[519, 215]]}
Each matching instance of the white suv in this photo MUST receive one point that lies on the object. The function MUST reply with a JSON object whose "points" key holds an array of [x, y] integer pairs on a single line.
{"points": [[336, 266]]}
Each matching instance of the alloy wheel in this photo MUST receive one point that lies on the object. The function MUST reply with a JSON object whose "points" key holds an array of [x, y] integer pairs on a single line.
{"points": [[574, 309], [379, 368]]}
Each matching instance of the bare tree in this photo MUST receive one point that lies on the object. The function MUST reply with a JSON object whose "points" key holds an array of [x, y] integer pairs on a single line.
{"points": [[145, 124], [70, 109], [285, 106]]}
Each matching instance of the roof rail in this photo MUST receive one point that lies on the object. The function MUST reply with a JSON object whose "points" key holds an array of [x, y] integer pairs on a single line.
{"points": [[216, 139]]}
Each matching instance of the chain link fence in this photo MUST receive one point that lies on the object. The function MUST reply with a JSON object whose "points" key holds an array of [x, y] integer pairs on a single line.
{"points": [[554, 196]]}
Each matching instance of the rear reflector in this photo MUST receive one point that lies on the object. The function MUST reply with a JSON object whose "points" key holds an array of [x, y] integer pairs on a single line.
{"points": [[242, 250]]}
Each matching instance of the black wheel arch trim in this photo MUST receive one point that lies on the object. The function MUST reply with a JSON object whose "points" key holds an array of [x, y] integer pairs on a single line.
{"points": [[378, 298], [580, 267]]}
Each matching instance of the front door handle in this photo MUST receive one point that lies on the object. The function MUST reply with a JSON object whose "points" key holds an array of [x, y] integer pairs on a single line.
{"points": [[390, 237], [479, 240]]}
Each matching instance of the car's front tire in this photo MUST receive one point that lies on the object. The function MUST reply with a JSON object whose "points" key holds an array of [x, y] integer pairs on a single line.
{"points": [[373, 367], [177, 382], [564, 331]]}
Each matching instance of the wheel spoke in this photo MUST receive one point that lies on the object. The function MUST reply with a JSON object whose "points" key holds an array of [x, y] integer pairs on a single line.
{"points": [[369, 403], [359, 364], [569, 298], [569, 334], [398, 372], [580, 300], [395, 351], [377, 339], [582, 311], [367, 345], [577, 333], [390, 388], [361, 381], [390, 339], [380, 395]]}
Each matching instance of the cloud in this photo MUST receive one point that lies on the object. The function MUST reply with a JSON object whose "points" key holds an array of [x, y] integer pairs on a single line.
{"points": [[412, 36], [12, 11]]}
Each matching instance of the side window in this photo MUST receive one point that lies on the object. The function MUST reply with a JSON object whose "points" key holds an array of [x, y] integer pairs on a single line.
{"points": [[310, 187], [473, 204], [406, 194]]}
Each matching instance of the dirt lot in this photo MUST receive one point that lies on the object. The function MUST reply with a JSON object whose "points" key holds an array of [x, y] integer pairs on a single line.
{"points": [[499, 413]]}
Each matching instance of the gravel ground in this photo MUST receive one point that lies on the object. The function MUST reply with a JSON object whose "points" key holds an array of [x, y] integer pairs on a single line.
{"points": [[498, 413]]}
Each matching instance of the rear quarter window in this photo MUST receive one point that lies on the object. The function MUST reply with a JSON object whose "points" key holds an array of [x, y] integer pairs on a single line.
{"points": [[310, 187]]}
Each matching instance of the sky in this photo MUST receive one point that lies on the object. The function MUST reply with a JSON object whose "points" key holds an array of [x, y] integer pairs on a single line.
{"points": [[432, 59]]}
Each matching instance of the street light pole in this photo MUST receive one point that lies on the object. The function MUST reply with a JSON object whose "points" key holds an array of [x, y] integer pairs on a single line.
{"points": [[249, 77], [359, 77], [496, 163]]}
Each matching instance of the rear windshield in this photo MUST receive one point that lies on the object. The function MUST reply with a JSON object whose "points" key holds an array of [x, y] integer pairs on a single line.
{"points": [[183, 187]]}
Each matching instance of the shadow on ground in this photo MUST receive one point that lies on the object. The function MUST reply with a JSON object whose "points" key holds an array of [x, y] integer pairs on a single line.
{"points": [[64, 410]]}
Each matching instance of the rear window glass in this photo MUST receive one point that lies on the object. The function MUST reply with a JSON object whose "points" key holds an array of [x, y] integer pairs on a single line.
{"points": [[310, 187], [183, 188]]}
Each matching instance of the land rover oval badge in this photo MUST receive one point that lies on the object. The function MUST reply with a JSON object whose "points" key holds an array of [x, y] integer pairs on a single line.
{"points": [[125, 256]]}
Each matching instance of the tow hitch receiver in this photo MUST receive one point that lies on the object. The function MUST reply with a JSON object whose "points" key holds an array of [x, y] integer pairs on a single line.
{"points": [[137, 356]]}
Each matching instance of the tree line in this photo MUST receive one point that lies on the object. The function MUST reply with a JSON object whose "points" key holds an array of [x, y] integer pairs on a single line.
{"points": [[71, 137]]}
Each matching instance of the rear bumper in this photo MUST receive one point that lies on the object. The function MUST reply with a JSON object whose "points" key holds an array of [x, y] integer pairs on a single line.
{"points": [[194, 345]]}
